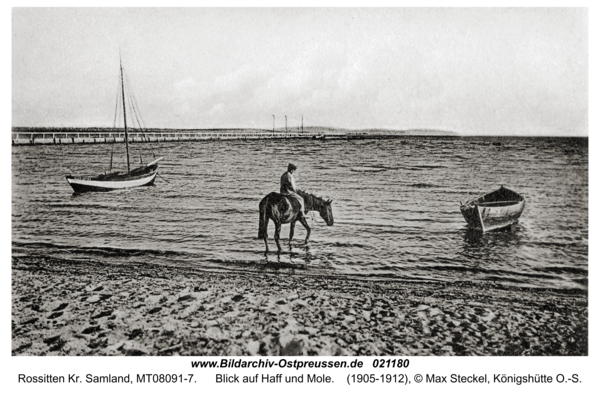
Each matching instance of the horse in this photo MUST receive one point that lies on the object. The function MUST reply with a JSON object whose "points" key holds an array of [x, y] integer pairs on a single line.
{"points": [[284, 209]]}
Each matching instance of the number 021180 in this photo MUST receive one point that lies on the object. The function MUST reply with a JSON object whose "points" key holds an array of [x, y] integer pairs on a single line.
{"points": [[386, 363]]}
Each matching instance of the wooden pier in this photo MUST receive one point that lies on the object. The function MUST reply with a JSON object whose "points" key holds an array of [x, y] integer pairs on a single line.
{"points": [[65, 138], [68, 138]]}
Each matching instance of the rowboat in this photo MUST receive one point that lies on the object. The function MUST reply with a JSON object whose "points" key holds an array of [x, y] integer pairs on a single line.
{"points": [[495, 210], [139, 177]]}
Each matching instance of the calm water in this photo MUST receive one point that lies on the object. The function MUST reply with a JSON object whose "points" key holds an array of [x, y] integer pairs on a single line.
{"points": [[395, 203]]}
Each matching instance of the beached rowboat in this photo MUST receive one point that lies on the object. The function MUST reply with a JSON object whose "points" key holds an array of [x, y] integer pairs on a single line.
{"points": [[495, 210]]}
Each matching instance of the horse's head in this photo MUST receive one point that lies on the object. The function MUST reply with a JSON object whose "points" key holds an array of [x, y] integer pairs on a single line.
{"points": [[326, 213]]}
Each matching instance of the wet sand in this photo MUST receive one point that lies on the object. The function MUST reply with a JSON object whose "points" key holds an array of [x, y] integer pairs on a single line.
{"points": [[94, 308]]}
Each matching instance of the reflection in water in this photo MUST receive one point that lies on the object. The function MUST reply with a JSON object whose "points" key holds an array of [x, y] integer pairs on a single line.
{"points": [[475, 236], [484, 245], [298, 256], [494, 253]]}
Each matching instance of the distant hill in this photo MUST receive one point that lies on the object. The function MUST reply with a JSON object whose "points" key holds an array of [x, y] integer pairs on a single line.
{"points": [[408, 132], [379, 131]]}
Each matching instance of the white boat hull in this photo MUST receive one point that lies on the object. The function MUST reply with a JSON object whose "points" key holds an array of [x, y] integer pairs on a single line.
{"points": [[83, 184]]}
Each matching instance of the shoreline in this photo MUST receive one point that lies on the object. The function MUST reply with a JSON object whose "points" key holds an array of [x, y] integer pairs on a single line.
{"points": [[94, 308]]}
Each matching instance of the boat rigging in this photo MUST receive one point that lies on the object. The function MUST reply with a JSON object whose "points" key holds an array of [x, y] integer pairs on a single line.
{"points": [[138, 177]]}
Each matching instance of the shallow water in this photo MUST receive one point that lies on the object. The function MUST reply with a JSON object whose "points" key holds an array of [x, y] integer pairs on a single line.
{"points": [[395, 202]]}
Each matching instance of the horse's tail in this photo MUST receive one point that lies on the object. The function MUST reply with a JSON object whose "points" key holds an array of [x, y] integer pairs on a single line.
{"points": [[262, 219]]}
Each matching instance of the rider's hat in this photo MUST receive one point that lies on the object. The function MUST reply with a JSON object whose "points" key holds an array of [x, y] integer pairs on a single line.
{"points": [[291, 167]]}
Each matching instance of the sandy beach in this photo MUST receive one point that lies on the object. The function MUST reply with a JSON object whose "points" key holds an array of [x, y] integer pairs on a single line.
{"points": [[94, 308]]}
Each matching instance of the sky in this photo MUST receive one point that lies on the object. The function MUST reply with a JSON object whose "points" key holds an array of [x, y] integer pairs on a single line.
{"points": [[475, 71]]}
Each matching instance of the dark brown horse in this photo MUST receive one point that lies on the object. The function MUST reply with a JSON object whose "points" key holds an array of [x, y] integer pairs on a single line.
{"points": [[284, 209]]}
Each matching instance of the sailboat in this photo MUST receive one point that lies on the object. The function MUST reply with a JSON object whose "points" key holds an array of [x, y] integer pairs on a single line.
{"points": [[138, 177]]}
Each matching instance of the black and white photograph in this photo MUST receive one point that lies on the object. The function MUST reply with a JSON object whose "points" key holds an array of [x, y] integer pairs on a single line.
{"points": [[296, 184]]}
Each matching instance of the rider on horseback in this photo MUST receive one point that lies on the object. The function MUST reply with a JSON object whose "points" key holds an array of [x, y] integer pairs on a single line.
{"points": [[288, 187]]}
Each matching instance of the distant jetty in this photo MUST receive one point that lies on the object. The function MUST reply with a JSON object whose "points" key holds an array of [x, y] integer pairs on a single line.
{"points": [[62, 136]]}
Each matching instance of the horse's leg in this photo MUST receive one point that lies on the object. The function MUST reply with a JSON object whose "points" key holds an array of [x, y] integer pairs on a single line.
{"points": [[292, 225], [305, 225], [263, 223], [265, 237], [276, 236]]}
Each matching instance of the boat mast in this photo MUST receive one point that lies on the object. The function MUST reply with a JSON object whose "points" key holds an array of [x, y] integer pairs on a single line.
{"points": [[124, 113]]}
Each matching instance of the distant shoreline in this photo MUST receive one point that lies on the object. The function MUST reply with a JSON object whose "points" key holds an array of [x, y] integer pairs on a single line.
{"points": [[294, 130]]}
